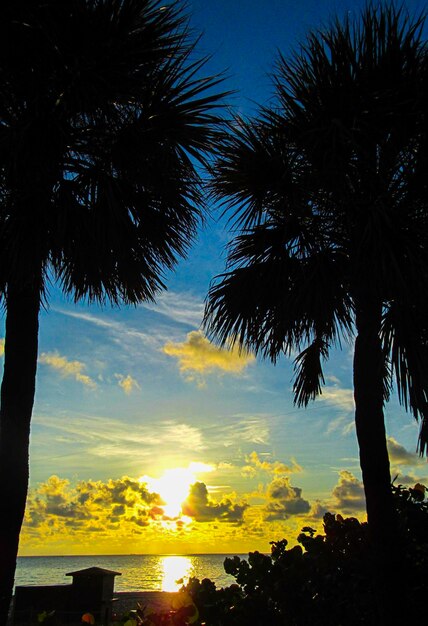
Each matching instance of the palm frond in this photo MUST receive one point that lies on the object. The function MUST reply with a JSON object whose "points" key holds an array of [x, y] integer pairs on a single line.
{"points": [[106, 125], [326, 187], [274, 298], [423, 436], [309, 376], [405, 342]]}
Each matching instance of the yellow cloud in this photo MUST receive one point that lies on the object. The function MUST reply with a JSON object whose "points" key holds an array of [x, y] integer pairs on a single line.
{"points": [[123, 514], [67, 369], [56, 508], [198, 356], [127, 383], [255, 464], [1, 346]]}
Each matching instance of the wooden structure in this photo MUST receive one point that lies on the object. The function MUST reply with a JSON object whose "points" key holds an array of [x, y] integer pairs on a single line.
{"points": [[91, 591]]}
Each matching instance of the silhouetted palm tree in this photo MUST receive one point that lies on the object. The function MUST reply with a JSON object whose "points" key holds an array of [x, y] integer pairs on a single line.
{"points": [[329, 188], [104, 117]]}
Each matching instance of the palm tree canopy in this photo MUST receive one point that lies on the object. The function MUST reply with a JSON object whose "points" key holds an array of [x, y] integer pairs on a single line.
{"points": [[328, 190], [104, 117]]}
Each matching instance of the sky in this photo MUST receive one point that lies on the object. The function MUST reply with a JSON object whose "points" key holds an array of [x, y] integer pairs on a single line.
{"points": [[148, 439]]}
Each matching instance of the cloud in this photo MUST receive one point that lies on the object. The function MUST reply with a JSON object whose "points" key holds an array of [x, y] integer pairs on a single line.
{"points": [[121, 491], [338, 396], [408, 480], [127, 383], [57, 501], [249, 430], [255, 464], [349, 494], [183, 308], [181, 434], [67, 369], [107, 437], [199, 466], [398, 455], [341, 424], [56, 507], [284, 500], [318, 510], [202, 509], [1, 346], [198, 356], [116, 507], [120, 333]]}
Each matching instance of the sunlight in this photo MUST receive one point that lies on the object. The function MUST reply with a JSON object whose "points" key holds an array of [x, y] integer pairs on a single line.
{"points": [[175, 568], [173, 487]]}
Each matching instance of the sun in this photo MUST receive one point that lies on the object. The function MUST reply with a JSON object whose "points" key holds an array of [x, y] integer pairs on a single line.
{"points": [[174, 485]]}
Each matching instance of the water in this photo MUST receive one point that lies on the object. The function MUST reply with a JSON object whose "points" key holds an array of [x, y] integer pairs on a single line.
{"points": [[139, 572]]}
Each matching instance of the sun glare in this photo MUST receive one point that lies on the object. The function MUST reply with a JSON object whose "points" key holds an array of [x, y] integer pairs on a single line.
{"points": [[174, 485], [176, 571]]}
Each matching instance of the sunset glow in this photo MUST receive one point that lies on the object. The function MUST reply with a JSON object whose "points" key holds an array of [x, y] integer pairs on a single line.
{"points": [[176, 571], [146, 437], [174, 486]]}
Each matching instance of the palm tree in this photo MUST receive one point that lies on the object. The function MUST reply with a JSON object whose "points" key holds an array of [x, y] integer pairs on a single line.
{"points": [[104, 123], [328, 189]]}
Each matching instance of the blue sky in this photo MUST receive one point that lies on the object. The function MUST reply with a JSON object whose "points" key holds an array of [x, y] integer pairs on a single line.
{"points": [[128, 393]]}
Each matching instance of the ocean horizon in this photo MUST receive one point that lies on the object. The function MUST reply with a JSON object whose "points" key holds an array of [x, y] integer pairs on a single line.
{"points": [[139, 572]]}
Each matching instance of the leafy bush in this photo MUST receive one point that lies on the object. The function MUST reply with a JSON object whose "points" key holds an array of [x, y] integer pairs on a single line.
{"points": [[326, 580]]}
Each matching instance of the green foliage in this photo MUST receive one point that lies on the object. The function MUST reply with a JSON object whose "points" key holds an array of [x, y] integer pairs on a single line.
{"points": [[325, 580]]}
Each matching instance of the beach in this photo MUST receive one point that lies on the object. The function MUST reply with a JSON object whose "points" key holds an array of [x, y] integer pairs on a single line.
{"points": [[156, 601]]}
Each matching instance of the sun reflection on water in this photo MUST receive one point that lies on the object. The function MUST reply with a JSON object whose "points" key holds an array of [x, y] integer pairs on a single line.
{"points": [[175, 568]]}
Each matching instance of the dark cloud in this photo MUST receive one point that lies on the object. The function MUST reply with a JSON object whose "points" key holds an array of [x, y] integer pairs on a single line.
{"points": [[284, 500], [156, 512], [121, 491], [202, 509], [141, 521], [66, 510], [349, 494], [125, 491], [410, 480], [118, 509]]}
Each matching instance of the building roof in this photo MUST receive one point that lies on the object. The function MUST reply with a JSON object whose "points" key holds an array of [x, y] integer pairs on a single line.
{"points": [[94, 571]]}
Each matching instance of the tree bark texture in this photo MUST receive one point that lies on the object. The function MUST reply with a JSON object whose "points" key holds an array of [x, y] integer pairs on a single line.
{"points": [[374, 461], [17, 398]]}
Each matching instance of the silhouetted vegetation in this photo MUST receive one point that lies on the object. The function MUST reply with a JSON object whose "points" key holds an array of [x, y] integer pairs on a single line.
{"points": [[324, 580], [105, 118], [328, 189]]}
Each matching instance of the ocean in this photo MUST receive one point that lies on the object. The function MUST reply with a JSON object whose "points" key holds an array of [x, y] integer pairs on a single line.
{"points": [[140, 572]]}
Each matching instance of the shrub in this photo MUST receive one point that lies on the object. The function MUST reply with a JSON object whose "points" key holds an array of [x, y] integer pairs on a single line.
{"points": [[325, 580]]}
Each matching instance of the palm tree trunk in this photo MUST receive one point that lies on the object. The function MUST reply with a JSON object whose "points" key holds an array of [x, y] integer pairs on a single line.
{"points": [[17, 398], [374, 460]]}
